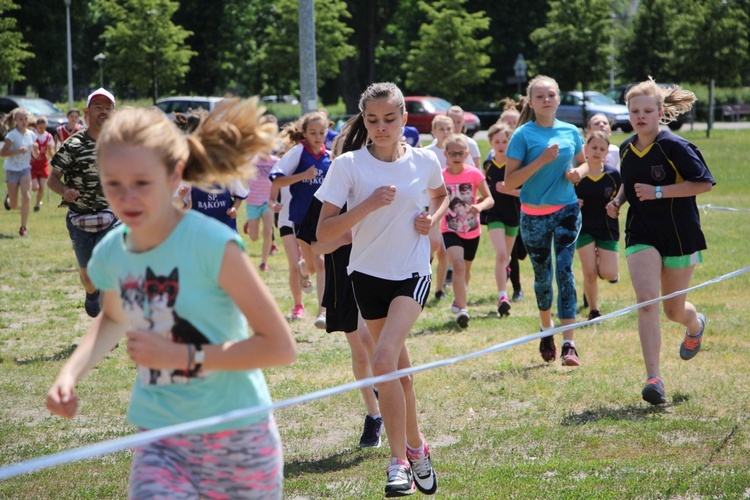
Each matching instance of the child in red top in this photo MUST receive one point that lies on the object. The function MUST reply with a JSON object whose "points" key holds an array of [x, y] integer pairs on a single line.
{"points": [[40, 163], [460, 226]]}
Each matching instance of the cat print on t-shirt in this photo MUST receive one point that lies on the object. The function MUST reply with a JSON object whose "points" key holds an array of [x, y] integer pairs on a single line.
{"points": [[148, 302]]}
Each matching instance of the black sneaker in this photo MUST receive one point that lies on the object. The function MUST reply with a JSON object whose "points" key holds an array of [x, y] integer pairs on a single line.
{"points": [[7, 202], [424, 473], [439, 295], [92, 305], [594, 313], [449, 277], [547, 348], [400, 479], [371, 432]]}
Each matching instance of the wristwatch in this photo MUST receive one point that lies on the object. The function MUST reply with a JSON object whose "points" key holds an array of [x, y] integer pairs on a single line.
{"points": [[659, 195], [200, 357]]}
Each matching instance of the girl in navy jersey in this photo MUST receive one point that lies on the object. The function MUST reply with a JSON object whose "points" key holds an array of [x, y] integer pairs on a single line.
{"points": [[386, 186], [661, 175], [302, 169], [598, 240], [504, 217]]}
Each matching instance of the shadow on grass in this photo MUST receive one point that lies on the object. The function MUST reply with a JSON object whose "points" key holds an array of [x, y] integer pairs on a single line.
{"points": [[7, 236], [632, 412], [340, 461], [64, 354]]}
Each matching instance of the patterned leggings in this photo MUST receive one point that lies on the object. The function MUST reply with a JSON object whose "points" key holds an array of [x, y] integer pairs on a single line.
{"points": [[540, 233], [238, 463]]}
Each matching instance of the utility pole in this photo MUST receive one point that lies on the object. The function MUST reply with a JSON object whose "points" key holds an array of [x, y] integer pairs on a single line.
{"points": [[307, 62]]}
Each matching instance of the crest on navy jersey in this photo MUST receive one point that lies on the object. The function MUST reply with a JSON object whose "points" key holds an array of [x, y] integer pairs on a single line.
{"points": [[657, 172]]}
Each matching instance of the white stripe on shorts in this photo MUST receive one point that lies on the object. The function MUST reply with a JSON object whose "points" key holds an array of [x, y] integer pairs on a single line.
{"points": [[422, 289]]}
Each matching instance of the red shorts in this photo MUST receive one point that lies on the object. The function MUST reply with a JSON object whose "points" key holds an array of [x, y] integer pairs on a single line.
{"points": [[40, 171]]}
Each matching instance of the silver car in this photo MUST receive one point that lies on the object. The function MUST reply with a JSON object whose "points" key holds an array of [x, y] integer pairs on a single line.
{"points": [[571, 110]]}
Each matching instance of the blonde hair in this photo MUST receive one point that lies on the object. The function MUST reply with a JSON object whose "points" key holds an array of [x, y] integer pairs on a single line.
{"points": [[441, 118], [497, 128], [458, 111], [216, 152], [672, 101], [293, 133], [511, 108], [456, 139], [9, 120], [527, 113], [598, 134]]}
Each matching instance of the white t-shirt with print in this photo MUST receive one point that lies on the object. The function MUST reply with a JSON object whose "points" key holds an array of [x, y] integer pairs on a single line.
{"points": [[384, 243]]}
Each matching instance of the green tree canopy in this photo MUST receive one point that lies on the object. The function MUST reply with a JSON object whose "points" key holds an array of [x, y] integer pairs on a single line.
{"points": [[145, 49], [574, 46], [12, 46], [449, 56]]}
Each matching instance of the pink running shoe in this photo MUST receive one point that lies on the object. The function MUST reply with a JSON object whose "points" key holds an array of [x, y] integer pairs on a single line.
{"points": [[298, 311]]}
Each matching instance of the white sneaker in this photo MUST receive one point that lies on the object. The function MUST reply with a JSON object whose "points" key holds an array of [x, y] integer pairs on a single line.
{"points": [[424, 473], [463, 318], [320, 321], [400, 479]]}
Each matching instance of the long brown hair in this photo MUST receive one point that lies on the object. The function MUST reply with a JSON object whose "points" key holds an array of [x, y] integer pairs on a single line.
{"points": [[355, 130]]}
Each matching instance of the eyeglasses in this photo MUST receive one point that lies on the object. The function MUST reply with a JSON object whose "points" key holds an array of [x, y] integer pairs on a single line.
{"points": [[456, 154]]}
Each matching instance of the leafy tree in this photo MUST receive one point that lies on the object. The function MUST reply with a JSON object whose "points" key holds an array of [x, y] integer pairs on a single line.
{"points": [[145, 49], [12, 46], [711, 41], [262, 55], [449, 56], [648, 47], [574, 46]]}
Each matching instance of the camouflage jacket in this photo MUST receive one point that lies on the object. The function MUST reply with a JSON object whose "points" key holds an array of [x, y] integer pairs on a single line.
{"points": [[76, 159]]}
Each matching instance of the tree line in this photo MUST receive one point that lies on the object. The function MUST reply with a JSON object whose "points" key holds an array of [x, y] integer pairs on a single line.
{"points": [[460, 51]]}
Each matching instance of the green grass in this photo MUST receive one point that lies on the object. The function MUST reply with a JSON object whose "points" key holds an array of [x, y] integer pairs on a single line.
{"points": [[500, 426]]}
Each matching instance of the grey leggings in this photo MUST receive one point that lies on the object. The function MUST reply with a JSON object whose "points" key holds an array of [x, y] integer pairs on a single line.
{"points": [[540, 233]]}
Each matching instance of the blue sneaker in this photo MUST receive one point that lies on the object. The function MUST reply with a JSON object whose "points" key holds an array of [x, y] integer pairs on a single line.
{"points": [[92, 304], [692, 343]]}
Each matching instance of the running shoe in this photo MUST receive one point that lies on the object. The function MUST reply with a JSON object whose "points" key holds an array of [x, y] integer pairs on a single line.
{"points": [[6, 203], [594, 313], [298, 311], [454, 308], [23, 232], [503, 306], [264, 267], [439, 295], [547, 348], [37, 207], [371, 433], [569, 356], [92, 305], [400, 479], [463, 318], [274, 249], [424, 473], [653, 392], [517, 296], [320, 321], [692, 343]]}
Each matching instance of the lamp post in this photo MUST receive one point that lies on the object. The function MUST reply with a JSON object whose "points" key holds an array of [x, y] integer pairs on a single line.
{"points": [[70, 57], [100, 58], [520, 70]]}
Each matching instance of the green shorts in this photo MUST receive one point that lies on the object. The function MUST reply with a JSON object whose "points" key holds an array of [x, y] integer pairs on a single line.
{"points": [[676, 262], [586, 239], [509, 230], [256, 211]]}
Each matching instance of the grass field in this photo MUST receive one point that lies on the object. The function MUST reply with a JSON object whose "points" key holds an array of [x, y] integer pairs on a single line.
{"points": [[500, 426]]}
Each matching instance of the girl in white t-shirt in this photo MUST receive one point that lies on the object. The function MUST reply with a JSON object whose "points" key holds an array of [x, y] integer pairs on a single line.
{"points": [[386, 186], [20, 145]]}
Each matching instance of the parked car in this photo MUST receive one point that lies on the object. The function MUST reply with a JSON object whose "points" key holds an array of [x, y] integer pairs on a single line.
{"points": [[422, 109], [279, 99], [571, 110], [37, 107], [183, 104], [618, 95]]}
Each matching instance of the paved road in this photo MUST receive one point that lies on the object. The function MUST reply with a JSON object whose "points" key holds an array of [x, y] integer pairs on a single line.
{"points": [[482, 134]]}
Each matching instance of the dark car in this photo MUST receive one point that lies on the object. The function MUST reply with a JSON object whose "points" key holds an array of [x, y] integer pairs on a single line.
{"points": [[37, 107], [422, 109], [618, 95], [571, 110]]}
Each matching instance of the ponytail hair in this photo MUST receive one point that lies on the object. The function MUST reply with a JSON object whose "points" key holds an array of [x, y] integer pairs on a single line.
{"points": [[9, 120], [354, 129], [527, 113], [672, 101], [219, 150], [294, 132]]}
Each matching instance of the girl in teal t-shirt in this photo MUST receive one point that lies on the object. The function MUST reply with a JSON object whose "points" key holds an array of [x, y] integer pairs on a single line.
{"points": [[181, 289]]}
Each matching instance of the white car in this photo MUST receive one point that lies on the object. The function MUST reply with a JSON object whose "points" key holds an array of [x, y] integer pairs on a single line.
{"points": [[184, 104], [571, 110]]}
